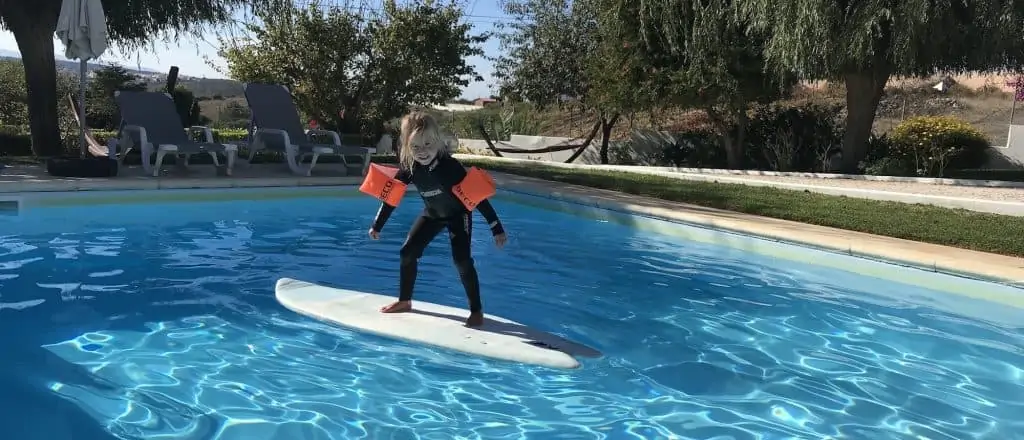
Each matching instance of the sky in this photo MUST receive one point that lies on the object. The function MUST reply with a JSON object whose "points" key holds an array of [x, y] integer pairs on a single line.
{"points": [[191, 54]]}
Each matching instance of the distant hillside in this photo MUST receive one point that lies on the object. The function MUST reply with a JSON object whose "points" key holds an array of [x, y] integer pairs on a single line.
{"points": [[72, 66], [216, 89], [213, 88], [201, 87]]}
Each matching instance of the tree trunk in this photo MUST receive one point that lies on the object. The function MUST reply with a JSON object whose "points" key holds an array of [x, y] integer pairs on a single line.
{"points": [[33, 24], [732, 136], [863, 93], [606, 133]]}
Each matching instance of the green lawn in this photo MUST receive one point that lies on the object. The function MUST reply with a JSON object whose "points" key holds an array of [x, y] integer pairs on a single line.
{"points": [[953, 227]]}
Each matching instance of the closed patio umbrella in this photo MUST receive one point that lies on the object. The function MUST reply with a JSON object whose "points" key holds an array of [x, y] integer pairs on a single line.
{"points": [[82, 28]]}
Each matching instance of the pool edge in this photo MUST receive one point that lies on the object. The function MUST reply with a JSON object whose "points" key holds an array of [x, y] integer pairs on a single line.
{"points": [[810, 236], [738, 224]]}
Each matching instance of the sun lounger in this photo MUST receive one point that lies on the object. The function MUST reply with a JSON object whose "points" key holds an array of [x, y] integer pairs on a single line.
{"points": [[150, 122], [276, 127]]}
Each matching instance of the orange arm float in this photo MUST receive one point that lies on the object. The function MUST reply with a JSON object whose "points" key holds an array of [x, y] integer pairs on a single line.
{"points": [[476, 187], [381, 184]]}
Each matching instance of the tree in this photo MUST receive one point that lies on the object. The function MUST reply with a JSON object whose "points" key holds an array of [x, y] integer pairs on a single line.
{"points": [[101, 111], [129, 23], [372, 67], [552, 55], [13, 97], [693, 53], [865, 42]]}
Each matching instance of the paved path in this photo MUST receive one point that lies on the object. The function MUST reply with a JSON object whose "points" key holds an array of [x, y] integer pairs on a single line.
{"points": [[969, 192], [33, 178]]}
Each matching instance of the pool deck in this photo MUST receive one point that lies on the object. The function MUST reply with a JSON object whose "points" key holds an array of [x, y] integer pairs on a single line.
{"points": [[1003, 269], [34, 178]]}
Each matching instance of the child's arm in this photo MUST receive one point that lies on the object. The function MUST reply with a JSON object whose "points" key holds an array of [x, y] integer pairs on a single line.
{"points": [[385, 209], [457, 171], [487, 210]]}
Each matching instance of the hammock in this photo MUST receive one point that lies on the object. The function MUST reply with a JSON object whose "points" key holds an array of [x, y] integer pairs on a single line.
{"points": [[95, 147], [569, 145]]}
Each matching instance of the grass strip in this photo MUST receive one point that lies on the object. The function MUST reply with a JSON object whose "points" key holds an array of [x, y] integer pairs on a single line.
{"points": [[999, 234]]}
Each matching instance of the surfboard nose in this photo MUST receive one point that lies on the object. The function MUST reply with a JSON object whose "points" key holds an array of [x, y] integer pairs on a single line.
{"points": [[287, 288]]}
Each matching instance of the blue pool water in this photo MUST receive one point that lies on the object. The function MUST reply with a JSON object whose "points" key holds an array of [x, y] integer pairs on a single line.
{"points": [[158, 321]]}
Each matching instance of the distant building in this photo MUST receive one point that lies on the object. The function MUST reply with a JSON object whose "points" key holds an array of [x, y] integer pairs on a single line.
{"points": [[485, 102]]}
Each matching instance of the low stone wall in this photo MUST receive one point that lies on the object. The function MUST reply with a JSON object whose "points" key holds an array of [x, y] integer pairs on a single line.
{"points": [[1010, 155], [645, 147], [479, 146]]}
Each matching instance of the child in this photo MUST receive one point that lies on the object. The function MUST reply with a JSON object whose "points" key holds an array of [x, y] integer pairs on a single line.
{"points": [[424, 160]]}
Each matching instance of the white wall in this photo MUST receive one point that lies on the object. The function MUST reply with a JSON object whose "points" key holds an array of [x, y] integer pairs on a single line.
{"points": [[1010, 155]]}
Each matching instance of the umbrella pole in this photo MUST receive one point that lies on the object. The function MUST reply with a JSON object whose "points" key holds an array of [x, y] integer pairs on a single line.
{"points": [[81, 107]]}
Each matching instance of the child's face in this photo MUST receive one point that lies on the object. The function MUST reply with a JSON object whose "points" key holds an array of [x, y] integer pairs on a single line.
{"points": [[425, 148]]}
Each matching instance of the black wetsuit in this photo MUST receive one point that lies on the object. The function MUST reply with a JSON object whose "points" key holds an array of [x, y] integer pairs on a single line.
{"points": [[442, 210]]}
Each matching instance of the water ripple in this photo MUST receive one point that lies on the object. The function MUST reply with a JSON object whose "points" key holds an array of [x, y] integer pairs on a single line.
{"points": [[176, 335]]}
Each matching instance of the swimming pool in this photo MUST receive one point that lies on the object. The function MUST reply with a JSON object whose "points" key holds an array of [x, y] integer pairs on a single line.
{"points": [[158, 321]]}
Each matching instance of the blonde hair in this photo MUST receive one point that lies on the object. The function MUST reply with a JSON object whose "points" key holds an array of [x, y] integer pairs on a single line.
{"points": [[422, 126]]}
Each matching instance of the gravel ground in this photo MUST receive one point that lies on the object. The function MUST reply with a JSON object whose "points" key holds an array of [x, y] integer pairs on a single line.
{"points": [[981, 193]]}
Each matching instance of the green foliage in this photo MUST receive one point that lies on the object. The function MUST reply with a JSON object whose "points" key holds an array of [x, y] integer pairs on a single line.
{"points": [[100, 109], [545, 47], [695, 55], [865, 42], [780, 137], [691, 54], [373, 68], [218, 135], [135, 23], [130, 24], [233, 115], [697, 148], [933, 143], [889, 166], [14, 96], [794, 138], [555, 54], [826, 39], [499, 121], [15, 141]]}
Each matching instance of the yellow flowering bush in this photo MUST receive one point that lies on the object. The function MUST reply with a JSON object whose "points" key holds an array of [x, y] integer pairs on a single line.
{"points": [[931, 144]]}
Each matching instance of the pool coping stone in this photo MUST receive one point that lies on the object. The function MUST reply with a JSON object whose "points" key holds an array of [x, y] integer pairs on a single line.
{"points": [[949, 260], [975, 265]]}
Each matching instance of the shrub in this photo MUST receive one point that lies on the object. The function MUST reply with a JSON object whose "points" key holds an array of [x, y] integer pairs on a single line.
{"points": [[880, 160], [14, 141], [694, 149], [228, 135], [889, 166], [793, 138], [934, 143]]}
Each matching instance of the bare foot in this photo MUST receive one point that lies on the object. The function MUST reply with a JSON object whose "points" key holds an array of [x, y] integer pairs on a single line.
{"points": [[397, 307], [475, 319]]}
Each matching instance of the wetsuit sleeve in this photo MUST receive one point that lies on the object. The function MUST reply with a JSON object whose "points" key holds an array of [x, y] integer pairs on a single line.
{"points": [[487, 210], [455, 172], [385, 210]]}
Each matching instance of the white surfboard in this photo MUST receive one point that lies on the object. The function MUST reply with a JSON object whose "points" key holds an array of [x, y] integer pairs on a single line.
{"points": [[431, 324]]}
